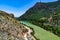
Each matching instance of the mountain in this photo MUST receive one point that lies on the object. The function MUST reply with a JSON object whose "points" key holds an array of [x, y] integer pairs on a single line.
{"points": [[11, 29], [40, 10], [45, 15]]}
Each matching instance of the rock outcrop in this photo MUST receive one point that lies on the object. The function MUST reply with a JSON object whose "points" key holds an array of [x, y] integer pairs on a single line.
{"points": [[11, 29]]}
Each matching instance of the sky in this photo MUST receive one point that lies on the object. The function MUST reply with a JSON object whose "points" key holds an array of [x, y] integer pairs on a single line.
{"points": [[18, 7]]}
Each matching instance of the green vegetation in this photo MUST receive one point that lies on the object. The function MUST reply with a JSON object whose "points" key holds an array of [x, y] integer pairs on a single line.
{"points": [[44, 15], [40, 33]]}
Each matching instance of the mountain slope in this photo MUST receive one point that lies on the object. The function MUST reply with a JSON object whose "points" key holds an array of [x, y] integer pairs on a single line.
{"points": [[11, 29], [45, 15], [41, 10]]}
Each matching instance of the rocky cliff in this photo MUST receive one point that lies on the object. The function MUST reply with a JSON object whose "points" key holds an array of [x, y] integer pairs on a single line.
{"points": [[11, 29]]}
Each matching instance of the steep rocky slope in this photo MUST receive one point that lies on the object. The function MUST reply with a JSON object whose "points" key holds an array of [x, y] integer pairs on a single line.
{"points": [[11, 29]]}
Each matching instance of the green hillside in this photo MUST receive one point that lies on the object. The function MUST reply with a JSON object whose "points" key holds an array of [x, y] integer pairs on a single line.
{"points": [[41, 10], [40, 33], [44, 15]]}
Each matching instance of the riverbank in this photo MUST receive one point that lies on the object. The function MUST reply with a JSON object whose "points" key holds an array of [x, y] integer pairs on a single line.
{"points": [[40, 33]]}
